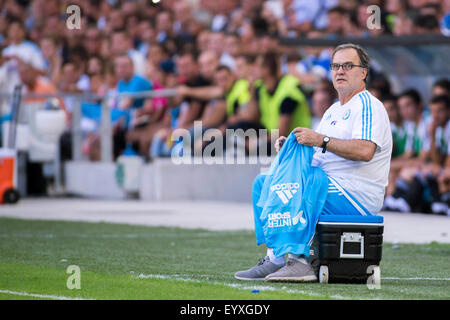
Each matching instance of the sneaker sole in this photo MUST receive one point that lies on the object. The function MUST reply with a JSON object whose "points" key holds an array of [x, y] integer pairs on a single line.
{"points": [[292, 279], [249, 279]]}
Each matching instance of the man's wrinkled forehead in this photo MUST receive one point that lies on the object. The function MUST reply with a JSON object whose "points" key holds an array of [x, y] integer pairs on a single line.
{"points": [[346, 55]]}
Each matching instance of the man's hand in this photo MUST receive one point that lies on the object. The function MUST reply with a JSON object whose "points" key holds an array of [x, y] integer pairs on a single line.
{"points": [[279, 143], [182, 91], [308, 137]]}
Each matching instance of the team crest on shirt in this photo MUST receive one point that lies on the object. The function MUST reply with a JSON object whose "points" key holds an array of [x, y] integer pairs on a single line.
{"points": [[346, 115]]}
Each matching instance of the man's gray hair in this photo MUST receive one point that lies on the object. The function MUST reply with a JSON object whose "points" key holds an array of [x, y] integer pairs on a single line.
{"points": [[362, 54]]}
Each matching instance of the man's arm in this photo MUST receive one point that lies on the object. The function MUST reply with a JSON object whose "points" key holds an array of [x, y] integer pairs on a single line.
{"points": [[251, 112], [284, 124], [201, 93], [355, 149], [214, 114], [189, 114]]}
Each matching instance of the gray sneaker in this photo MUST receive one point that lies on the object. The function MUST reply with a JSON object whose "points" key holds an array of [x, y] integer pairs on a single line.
{"points": [[293, 271], [258, 272]]}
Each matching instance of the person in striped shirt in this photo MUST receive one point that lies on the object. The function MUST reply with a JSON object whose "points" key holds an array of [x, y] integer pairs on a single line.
{"points": [[353, 146]]}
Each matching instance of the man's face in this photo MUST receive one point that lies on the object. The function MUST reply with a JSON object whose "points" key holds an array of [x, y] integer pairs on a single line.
{"points": [[69, 73], [94, 66], [27, 74], [119, 43], [351, 79], [48, 48], [163, 22], [408, 108], [391, 109], [208, 63], [92, 40], [242, 68], [232, 45], [16, 33], [186, 66], [224, 79], [321, 101], [216, 42], [124, 68], [439, 113], [335, 22]]}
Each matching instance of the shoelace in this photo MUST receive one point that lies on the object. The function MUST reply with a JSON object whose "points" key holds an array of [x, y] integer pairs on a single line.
{"points": [[290, 262], [261, 261]]}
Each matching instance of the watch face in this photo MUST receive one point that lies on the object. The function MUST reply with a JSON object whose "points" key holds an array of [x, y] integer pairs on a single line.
{"points": [[326, 139]]}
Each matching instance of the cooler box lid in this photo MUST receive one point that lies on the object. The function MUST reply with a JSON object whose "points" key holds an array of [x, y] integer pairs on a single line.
{"points": [[350, 219]]}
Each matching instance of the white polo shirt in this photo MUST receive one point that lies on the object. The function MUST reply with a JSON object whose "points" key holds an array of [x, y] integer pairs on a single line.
{"points": [[363, 117]]}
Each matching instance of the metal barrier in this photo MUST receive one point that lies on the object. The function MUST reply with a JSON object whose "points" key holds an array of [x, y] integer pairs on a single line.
{"points": [[28, 115], [105, 122]]}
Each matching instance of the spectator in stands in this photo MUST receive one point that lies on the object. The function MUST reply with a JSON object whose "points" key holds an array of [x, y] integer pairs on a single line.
{"points": [[316, 63], [51, 52], [69, 83], [21, 48], [397, 125], [153, 116], [34, 83], [410, 193], [426, 24], [129, 81], [278, 102], [399, 137], [185, 110], [157, 53], [228, 99], [335, 26], [97, 75], [244, 66], [231, 50], [350, 25], [379, 86], [115, 21], [121, 43], [164, 26], [323, 97], [208, 62], [409, 136], [18, 50], [93, 40], [404, 23], [441, 86], [416, 120]]}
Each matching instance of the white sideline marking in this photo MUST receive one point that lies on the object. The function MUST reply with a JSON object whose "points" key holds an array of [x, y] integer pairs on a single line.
{"points": [[238, 285], [417, 278], [43, 296]]}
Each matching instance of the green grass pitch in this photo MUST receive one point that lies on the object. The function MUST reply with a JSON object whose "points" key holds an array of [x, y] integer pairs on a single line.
{"points": [[120, 261]]}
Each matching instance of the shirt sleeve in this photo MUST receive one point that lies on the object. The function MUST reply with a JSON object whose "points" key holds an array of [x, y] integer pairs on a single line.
{"points": [[369, 122], [288, 106]]}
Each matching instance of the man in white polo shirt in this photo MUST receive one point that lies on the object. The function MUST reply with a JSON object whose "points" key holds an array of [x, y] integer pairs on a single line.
{"points": [[353, 146]]}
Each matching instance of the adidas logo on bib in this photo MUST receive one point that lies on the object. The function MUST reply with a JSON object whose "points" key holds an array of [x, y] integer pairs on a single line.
{"points": [[285, 191]]}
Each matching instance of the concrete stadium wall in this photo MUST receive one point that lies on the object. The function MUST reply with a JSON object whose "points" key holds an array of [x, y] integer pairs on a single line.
{"points": [[92, 180], [162, 180]]}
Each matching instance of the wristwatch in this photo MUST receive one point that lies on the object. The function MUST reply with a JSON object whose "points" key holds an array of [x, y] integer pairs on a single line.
{"points": [[326, 139]]}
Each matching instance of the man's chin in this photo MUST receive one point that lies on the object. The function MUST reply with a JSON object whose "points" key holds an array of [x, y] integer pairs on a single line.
{"points": [[341, 85]]}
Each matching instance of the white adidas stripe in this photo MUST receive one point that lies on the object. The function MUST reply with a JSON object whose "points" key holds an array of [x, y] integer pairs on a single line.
{"points": [[348, 197]]}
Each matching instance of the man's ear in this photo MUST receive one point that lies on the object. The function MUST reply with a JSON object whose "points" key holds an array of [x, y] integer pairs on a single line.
{"points": [[365, 72]]}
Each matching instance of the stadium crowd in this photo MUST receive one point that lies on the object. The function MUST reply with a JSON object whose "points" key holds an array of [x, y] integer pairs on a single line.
{"points": [[225, 62]]}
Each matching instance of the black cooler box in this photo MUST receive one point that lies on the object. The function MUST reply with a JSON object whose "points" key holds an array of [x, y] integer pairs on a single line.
{"points": [[347, 248]]}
